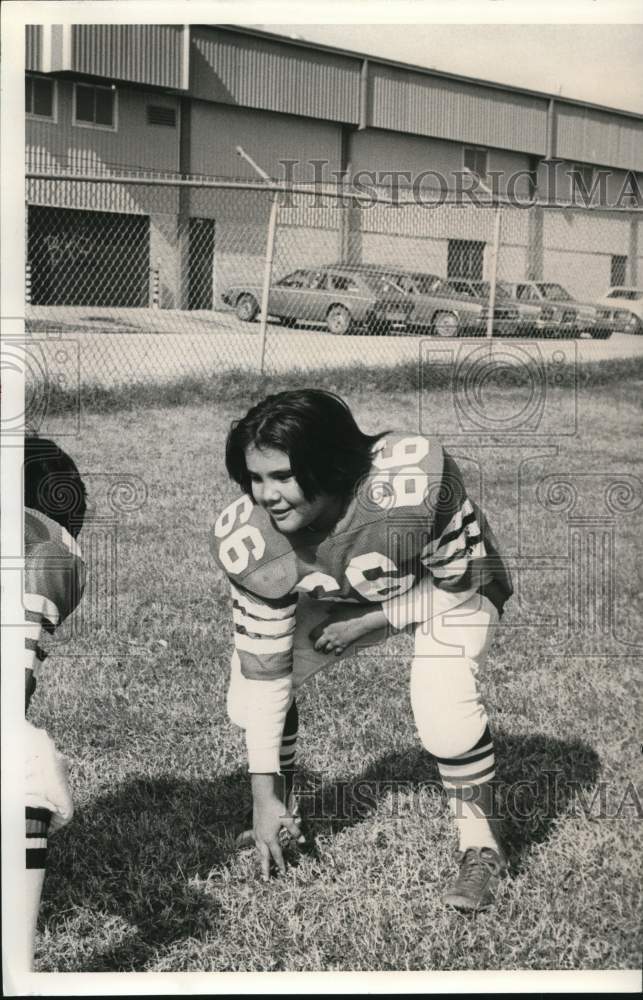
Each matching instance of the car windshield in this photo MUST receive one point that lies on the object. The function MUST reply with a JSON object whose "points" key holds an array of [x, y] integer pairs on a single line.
{"points": [[554, 292], [426, 284], [455, 287], [631, 294], [383, 282], [483, 288]]}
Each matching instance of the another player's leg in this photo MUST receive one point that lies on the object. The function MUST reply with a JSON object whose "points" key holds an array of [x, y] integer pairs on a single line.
{"points": [[37, 828], [453, 726], [48, 808]]}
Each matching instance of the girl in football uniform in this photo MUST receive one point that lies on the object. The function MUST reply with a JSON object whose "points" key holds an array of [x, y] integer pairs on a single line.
{"points": [[341, 537]]}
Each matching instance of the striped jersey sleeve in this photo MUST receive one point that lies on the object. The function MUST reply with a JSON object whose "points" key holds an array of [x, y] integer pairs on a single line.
{"points": [[455, 558], [264, 630], [460, 554]]}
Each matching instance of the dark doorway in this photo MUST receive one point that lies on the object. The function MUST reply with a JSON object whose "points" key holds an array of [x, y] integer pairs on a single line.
{"points": [[81, 258], [201, 257]]}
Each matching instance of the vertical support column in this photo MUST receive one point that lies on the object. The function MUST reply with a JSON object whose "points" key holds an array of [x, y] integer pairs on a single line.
{"points": [[493, 269], [633, 252], [551, 130], [183, 220], [535, 241], [591, 576], [350, 221], [350, 233]]}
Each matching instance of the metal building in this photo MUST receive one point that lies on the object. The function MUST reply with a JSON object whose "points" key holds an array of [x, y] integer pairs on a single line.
{"points": [[176, 101]]}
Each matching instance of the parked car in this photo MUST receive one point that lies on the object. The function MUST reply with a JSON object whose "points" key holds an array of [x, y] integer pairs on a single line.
{"points": [[627, 304], [438, 308], [564, 315], [340, 297], [530, 321]]}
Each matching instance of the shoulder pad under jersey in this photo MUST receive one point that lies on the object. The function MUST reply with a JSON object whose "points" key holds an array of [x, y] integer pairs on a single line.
{"points": [[251, 552], [404, 480]]}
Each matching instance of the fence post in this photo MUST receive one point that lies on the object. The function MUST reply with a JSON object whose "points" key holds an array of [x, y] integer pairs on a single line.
{"points": [[267, 278], [493, 270], [270, 249]]}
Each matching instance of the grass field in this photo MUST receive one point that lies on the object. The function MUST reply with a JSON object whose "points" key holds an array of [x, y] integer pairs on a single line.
{"points": [[146, 879]]}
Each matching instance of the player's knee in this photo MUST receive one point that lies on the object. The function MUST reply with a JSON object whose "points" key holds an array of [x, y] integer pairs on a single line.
{"points": [[447, 744], [447, 707]]}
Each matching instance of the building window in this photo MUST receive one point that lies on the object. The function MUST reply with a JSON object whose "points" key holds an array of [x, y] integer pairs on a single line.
{"points": [[95, 106], [618, 269], [465, 259], [40, 97], [476, 160]]}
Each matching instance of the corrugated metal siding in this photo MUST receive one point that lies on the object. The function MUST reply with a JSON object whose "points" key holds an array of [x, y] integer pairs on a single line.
{"points": [[239, 69], [142, 53], [33, 45], [410, 102], [591, 136]]}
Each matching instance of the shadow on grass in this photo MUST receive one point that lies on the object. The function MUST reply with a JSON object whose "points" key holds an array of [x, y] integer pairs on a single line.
{"points": [[138, 853], [538, 779]]}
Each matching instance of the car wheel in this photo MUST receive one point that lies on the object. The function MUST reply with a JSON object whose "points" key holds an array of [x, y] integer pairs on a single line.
{"points": [[445, 325], [601, 335], [247, 308], [338, 320]]}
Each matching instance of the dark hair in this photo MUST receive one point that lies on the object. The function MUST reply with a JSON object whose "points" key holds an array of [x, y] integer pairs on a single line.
{"points": [[328, 452], [53, 485]]}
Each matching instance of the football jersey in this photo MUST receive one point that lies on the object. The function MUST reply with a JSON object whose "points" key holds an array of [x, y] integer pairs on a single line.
{"points": [[409, 519], [54, 578]]}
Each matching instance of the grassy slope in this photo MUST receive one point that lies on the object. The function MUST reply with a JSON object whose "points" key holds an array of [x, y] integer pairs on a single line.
{"points": [[145, 877]]}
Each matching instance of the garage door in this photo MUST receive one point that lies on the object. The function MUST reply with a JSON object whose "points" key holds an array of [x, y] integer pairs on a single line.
{"points": [[80, 258]]}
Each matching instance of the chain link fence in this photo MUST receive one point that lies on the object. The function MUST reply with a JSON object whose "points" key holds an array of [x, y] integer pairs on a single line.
{"points": [[157, 278]]}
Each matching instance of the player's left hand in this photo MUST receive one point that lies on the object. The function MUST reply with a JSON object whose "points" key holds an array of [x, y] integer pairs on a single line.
{"points": [[344, 627]]}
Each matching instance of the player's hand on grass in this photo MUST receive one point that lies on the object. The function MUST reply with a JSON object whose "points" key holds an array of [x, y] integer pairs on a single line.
{"points": [[273, 825], [345, 626], [46, 778]]}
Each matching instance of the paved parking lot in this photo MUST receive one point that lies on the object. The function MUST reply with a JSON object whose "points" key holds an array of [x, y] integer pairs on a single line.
{"points": [[142, 345]]}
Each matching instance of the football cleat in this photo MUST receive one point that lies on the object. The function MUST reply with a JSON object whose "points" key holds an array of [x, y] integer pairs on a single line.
{"points": [[479, 868]]}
